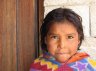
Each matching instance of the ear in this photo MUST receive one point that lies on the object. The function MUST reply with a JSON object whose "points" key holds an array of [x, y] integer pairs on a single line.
{"points": [[78, 41]]}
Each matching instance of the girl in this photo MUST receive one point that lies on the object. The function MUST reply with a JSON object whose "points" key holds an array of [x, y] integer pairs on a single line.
{"points": [[61, 37]]}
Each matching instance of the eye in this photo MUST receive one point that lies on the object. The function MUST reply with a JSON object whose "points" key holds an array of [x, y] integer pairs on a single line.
{"points": [[70, 37], [54, 37]]}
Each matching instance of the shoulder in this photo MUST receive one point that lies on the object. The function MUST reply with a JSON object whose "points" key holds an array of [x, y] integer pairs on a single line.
{"points": [[36, 64], [43, 64], [87, 63], [83, 60], [91, 62]]}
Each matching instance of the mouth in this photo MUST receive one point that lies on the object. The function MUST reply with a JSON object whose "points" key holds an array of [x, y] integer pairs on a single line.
{"points": [[62, 53]]}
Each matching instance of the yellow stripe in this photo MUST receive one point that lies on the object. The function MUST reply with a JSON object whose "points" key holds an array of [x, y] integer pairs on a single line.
{"points": [[37, 60], [92, 62], [49, 64]]}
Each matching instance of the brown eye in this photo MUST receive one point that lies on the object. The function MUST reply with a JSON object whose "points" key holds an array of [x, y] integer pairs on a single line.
{"points": [[70, 37], [54, 37]]}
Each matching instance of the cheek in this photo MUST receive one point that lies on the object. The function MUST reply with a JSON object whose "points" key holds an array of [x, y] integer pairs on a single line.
{"points": [[52, 51], [74, 47], [52, 47]]}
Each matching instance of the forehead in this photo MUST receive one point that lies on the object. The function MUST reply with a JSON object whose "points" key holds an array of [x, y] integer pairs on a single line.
{"points": [[66, 27]]}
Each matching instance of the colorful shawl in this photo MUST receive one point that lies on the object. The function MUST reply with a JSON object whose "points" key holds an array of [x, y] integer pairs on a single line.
{"points": [[78, 62]]}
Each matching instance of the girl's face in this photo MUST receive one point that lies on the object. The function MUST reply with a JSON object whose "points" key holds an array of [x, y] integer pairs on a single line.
{"points": [[62, 41]]}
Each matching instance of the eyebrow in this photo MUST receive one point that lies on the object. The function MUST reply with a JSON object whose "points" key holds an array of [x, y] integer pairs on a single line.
{"points": [[72, 34], [52, 34], [58, 34]]}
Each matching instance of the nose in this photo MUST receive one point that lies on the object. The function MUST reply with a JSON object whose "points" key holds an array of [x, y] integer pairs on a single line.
{"points": [[62, 43]]}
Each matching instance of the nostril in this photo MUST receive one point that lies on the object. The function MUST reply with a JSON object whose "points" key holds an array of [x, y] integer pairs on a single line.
{"points": [[61, 46]]}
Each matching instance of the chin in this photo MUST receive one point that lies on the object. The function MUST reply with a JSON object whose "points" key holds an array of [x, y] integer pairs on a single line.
{"points": [[61, 60]]}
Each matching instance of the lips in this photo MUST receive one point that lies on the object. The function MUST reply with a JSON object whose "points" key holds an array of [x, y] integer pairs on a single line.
{"points": [[62, 53]]}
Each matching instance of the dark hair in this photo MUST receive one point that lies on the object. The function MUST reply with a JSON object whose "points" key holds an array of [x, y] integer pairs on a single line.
{"points": [[59, 15]]}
